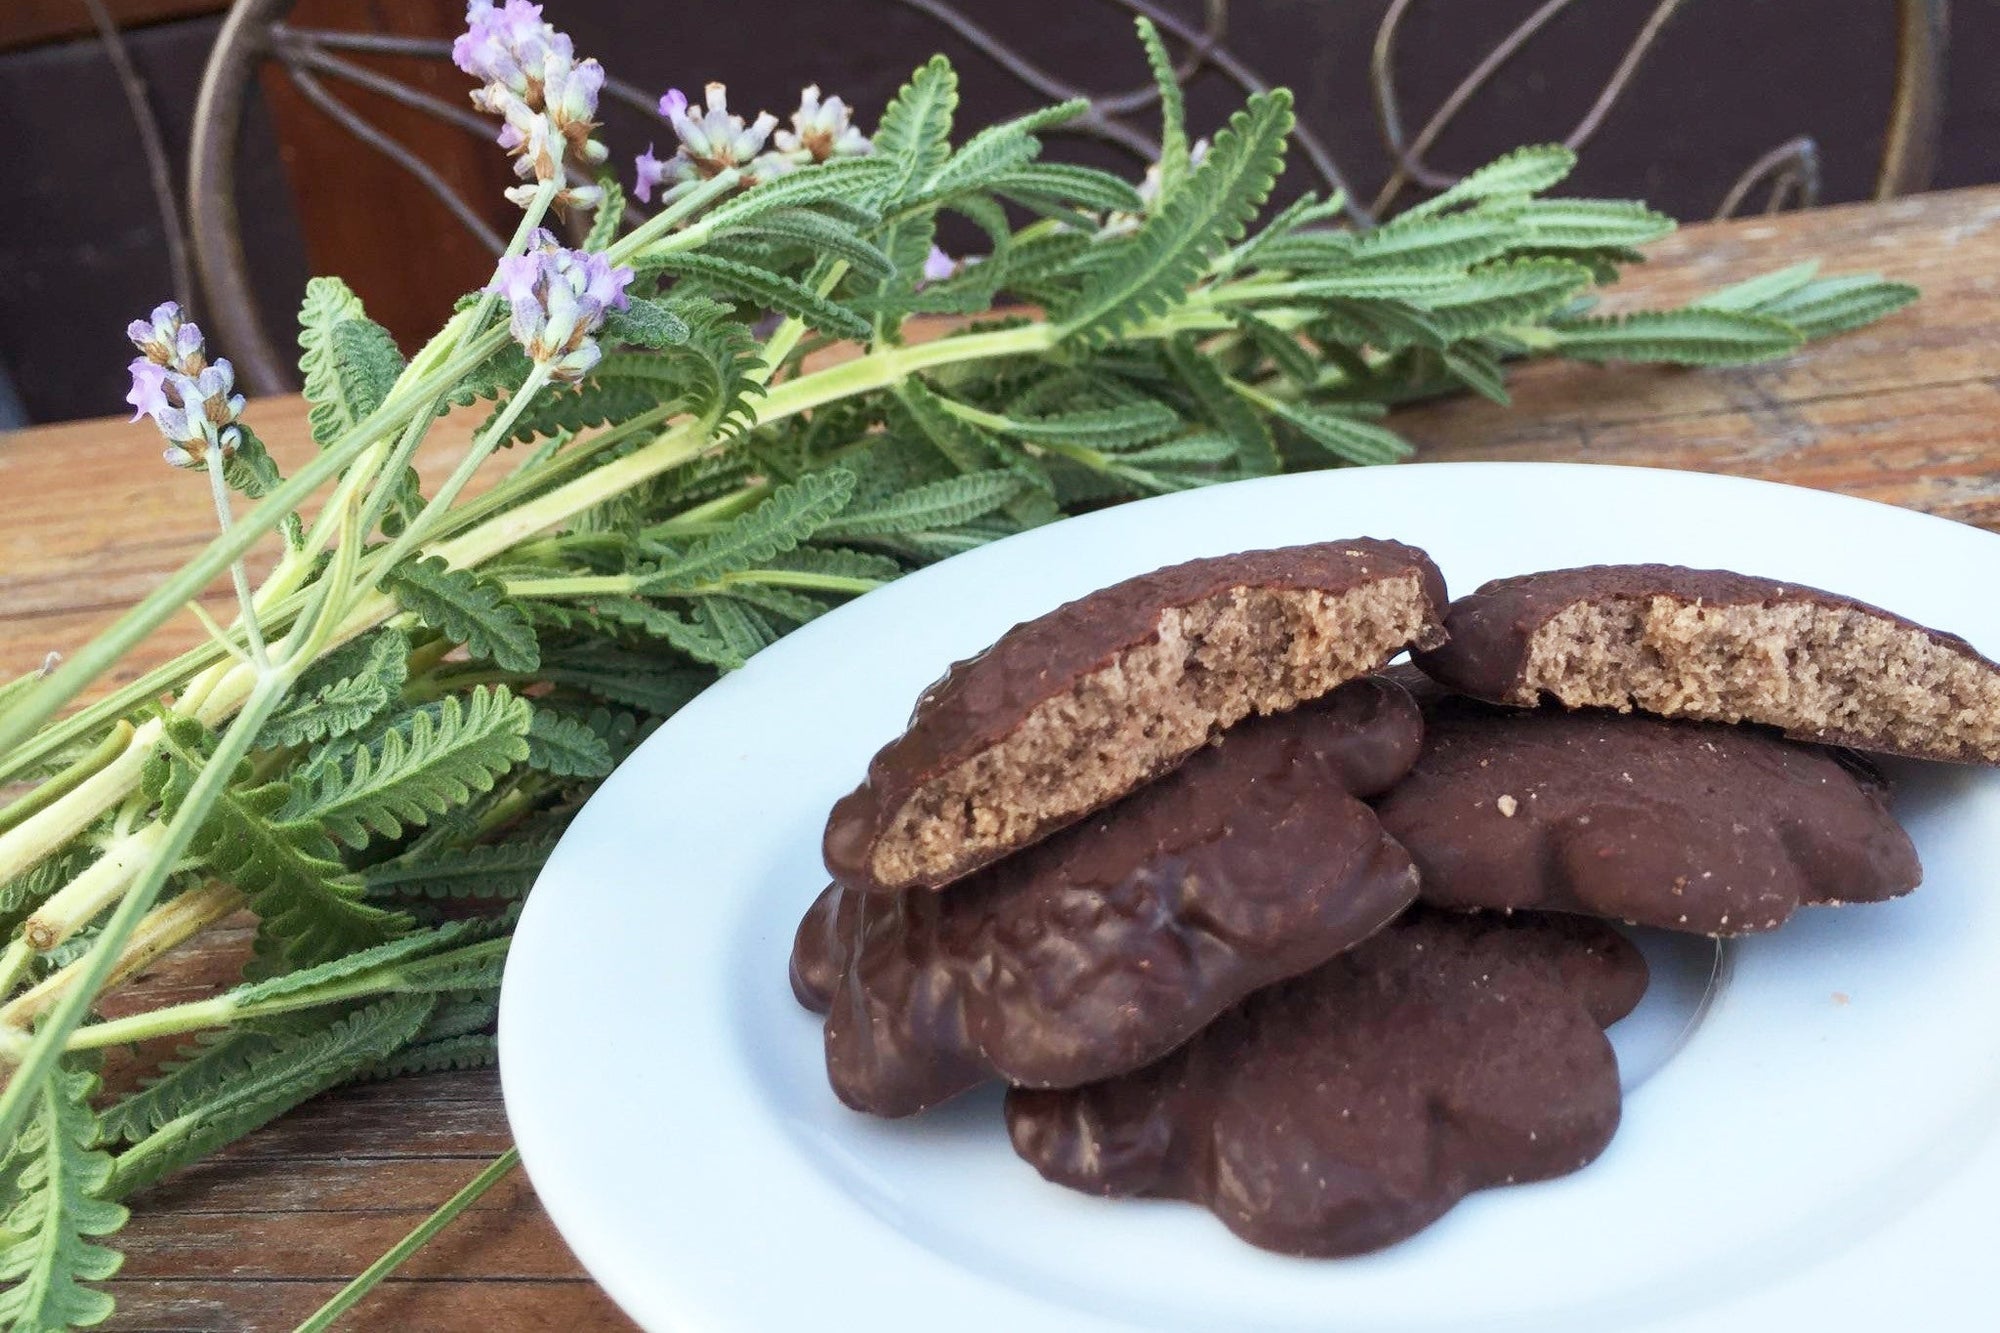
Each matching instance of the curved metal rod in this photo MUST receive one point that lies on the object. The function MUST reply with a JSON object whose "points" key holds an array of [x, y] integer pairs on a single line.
{"points": [[381, 43], [159, 171], [1791, 166], [1409, 164], [296, 54], [1916, 120], [316, 93], [231, 304]]}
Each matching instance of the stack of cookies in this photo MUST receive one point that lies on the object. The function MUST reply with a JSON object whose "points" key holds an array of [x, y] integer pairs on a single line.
{"points": [[1247, 917]]}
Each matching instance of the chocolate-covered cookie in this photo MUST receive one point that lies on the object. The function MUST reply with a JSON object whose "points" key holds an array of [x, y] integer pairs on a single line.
{"points": [[1066, 713], [1692, 826], [1724, 647], [1112, 942], [1348, 1108]]}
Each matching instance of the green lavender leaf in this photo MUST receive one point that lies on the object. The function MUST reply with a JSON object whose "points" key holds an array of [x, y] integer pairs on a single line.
{"points": [[1224, 408], [1283, 348], [837, 186], [200, 1070], [602, 399], [1454, 240], [57, 1179], [348, 361], [1079, 187], [914, 139], [939, 504], [466, 608], [1755, 293], [1173, 115], [474, 1050], [796, 607], [1691, 337], [1525, 171], [1101, 428], [824, 236], [309, 904], [417, 766], [692, 638], [1587, 224], [793, 513], [501, 870], [1343, 436], [263, 1080], [423, 943], [342, 692], [566, 748], [645, 323], [635, 680], [1506, 293], [1192, 227], [610, 214], [769, 291], [838, 561], [741, 630], [1478, 370], [1836, 305]]}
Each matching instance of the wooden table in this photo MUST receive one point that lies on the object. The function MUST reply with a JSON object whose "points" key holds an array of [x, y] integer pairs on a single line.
{"points": [[1904, 412]]}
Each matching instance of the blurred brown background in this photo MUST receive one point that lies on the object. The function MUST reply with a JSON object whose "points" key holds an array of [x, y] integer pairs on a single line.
{"points": [[86, 251]]}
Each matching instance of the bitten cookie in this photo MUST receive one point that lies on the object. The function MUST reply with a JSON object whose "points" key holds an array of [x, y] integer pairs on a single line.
{"points": [[1350, 1107], [1066, 713], [1114, 941], [1691, 826], [1724, 647]]}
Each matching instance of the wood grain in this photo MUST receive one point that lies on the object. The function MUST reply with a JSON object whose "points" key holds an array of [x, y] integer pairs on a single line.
{"points": [[256, 1237]]}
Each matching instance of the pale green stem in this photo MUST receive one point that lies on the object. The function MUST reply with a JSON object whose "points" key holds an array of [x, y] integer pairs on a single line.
{"points": [[218, 635], [78, 902], [61, 784], [238, 575], [640, 240], [41, 833], [708, 512], [37, 1063], [14, 964], [344, 1300]]}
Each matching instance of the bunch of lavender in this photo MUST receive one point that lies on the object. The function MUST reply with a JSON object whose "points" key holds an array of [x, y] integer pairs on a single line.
{"points": [[379, 752]]}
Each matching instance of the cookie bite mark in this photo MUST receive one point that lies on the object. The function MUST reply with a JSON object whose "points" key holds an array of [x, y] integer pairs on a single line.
{"points": [[1069, 712], [1688, 826], [1350, 1107], [1725, 647], [1113, 941]]}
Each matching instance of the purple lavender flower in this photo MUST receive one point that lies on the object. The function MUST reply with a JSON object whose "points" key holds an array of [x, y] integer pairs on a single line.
{"points": [[556, 299], [192, 400], [167, 338], [508, 46], [714, 141], [649, 174], [149, 379], [938, 265], [546, 98], [821, 130]]}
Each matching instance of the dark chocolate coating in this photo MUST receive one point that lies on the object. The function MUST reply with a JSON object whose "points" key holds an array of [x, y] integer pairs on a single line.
{"points": [[1695, 826], [1112, 942], [1489, 630], [1348, 1108], [980, 701]]}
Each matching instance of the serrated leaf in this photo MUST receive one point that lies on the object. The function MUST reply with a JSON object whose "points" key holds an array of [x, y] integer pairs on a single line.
{"points": [[498, 374], [838, 561], [847, 180], [797, 607], [422, 943], [1386, 325], [309, 903], [1344, 437], [1078, 187], [793, 513], [1192, 227], [691, 638], [1173, 160], [1285, 350], [939, 504], [341, 692], [466, 608], [448, 1054], [915, 134], [1588, 224], [824, 236], [769, 291], [1187, 451], [644, 323], [1456, 240], [652, 686], [1497, 295], [421, 764], [610, 213], [265, 1080], [1416, 285], [502, 870], [1836, 305], [57, 1182], [566, 748], [600, 400], [348, 361], [1101, 428], [1754, 293], [1691, 337], [741, 630], [1525, 171], [1256, 452], [1479, 370]]}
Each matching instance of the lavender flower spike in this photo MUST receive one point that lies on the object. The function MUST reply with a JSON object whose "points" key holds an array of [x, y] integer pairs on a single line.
{"points": [[557, 299], [192, 400], [508, 47], [715, 140], [167, 338], [545, 97], [821, 130]]}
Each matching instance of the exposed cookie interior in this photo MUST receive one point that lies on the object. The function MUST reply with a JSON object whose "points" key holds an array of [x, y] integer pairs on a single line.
{"points": [[1810, 668], [1213, 663]]}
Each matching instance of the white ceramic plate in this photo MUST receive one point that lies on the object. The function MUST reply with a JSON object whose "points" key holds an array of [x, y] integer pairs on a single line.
{"points": [[1820, 1151]]}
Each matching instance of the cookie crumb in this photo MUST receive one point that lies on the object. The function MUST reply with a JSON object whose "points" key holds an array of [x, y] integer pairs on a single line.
{"points": [[1508, 805]]}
